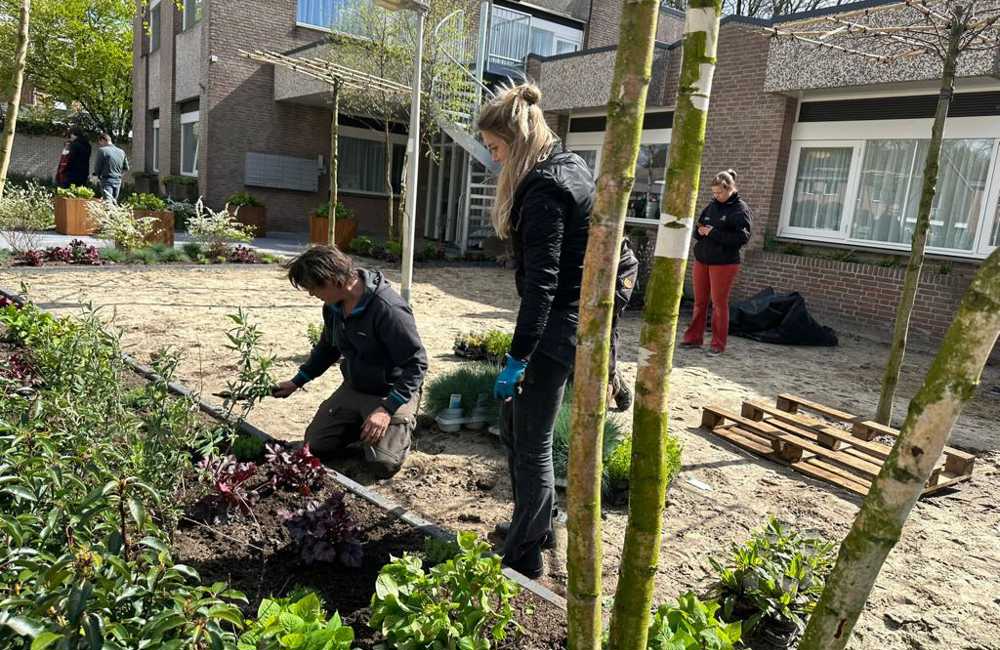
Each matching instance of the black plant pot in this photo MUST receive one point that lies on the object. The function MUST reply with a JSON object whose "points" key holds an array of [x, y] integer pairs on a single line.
{"points": [[772, 635], [618, 493]]}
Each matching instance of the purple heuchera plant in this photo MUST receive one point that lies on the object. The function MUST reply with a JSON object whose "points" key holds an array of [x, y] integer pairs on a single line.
{"points": [[242, 255], [295, 470], [32, 258], [325, 532], [59, 254], [229, 477], [20, 368], [84, 253]]}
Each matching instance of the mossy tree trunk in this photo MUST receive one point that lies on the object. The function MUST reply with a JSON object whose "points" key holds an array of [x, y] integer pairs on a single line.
{"points": [[648, 478], [13, 106], [911, 280], [950, 383], [331, 233], [390, 211], [620, 151]]}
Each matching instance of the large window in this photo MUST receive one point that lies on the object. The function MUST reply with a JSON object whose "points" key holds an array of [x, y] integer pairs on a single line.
{"points": [[189, 144], [361, 165], [334, 15], [868, 193], [650, 170], [154, 25], [514, 35], [154, 146], [192, 13]]}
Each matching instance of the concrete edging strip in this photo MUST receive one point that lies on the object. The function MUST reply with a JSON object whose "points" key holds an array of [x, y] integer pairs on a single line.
{"points": [[411, 518]]}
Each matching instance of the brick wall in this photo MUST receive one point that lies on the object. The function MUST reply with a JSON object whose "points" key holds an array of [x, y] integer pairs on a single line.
{"points": [[603, 27]]}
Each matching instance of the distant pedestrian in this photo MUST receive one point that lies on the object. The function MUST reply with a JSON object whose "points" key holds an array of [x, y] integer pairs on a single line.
{"points": [[78, 164], [63, 163], [722, 230], [109, 167]]}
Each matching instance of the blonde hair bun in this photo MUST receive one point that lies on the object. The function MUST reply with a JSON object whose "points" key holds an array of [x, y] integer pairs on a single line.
{"points": [[530, 94], [732, 172]]}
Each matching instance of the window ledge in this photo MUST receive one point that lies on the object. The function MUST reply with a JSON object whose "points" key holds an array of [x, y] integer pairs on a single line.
{"points": [[970, 257]]}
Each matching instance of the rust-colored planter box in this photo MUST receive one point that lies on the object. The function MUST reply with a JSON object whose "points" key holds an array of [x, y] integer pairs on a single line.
{"points": [[163, 229], [255, 216], [345, 230], [73, 218]]}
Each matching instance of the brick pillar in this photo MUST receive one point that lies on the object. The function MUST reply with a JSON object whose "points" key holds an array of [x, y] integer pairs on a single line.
{"points": [[169, 117], [140, 128]]}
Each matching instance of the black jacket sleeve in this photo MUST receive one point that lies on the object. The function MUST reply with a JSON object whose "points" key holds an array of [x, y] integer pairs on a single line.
{"points": [[738, 232], [397, 331], [698, 236], [324, 354], [541, 232]]}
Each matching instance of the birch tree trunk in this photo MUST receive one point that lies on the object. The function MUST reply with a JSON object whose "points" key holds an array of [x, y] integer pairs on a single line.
{"points": [[390, 211], [950, 383], [911, 280], [620, 151], [648, 477], [14, 105], [331, 234]]}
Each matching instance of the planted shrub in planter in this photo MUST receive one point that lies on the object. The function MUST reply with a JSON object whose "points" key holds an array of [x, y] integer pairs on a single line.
{"points": [[149, 205], [345, 227], [72, 214], [248, 210], [121, 225], [213, 230], [773, 582], [183, 211], [181, 188]]}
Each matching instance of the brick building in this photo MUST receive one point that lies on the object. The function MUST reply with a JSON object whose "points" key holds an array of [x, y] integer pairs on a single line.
{"points": [[829, 152]]}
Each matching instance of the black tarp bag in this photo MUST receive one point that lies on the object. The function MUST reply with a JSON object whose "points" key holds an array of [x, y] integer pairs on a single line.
{"points": [[780, 318]]}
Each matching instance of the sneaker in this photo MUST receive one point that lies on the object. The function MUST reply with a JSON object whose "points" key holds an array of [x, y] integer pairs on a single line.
{"points": [[530, 565], [688, 344], [714, 352], [622, 396]]}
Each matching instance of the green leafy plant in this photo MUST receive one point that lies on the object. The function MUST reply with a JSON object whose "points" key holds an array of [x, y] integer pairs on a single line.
{"points": [[438, 550], [254, 380], [465, 602], [144, 201], [119, 224], [614, 433], [214, 231], [180, 180], [342, 211], [75, 192], [24, 211], [362, 246], [618, 463], [491, 345], [297, 621], [183, 211], [314, 331], [774, 579], [248, 448], [470, 380], [394, 249], [243, 199], [690, 624], [113, 255]]}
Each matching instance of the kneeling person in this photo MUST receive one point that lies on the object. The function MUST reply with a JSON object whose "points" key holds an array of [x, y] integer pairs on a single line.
{"points": [[370, 329]]}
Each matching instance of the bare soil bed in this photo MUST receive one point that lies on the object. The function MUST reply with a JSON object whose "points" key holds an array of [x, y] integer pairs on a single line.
{"points": [[939, 589]]}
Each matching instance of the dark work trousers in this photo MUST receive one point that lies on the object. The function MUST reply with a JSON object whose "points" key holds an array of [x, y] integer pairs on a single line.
{"points": [[526, 425], [624, 286]]}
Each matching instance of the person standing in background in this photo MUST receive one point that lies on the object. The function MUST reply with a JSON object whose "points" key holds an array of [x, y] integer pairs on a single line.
{"points": [[110, 167], [63, 163], [78, 164]]}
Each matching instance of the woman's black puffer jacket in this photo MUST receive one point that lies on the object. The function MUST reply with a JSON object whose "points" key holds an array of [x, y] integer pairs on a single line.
{"points": [[730, 223]]}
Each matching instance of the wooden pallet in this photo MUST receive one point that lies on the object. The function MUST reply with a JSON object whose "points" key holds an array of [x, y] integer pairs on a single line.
{"points": [[841, 448]]}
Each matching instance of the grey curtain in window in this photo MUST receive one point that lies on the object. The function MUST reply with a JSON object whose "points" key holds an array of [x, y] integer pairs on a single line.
{"points": [[821, 187]]}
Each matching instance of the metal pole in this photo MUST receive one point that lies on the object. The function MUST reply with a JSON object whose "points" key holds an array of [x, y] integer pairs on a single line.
{"points": [[413, 163]]}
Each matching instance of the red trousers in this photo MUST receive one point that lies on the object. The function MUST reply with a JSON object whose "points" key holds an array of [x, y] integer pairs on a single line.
{"points": [[711, 281]]}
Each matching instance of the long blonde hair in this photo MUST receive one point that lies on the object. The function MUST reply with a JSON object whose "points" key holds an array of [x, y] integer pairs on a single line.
{"points": [[513, 115]]}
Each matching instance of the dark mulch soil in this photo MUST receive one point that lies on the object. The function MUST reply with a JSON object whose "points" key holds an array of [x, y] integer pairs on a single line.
{"points": [[257, 558]]}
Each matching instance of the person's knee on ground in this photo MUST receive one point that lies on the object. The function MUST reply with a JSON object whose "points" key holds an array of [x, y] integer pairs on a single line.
{"points": [[386, 458]]}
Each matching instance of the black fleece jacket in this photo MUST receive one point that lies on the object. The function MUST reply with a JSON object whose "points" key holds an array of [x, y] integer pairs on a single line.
{"points": [[550, 216], [381, 349], [730, 223]]}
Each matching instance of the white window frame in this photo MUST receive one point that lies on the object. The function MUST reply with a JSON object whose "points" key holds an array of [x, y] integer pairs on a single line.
{"points": [[594, 141], [188, 118], [359, 133], [853, 133], [156, 146]]}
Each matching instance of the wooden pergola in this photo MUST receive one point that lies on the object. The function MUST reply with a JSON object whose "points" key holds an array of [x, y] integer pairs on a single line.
{"points": [[338, 77]]}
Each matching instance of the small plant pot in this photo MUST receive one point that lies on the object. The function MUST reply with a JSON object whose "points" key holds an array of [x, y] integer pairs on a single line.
{"points": [[618, 493], [163, 229], [450, 420], [73, 217], [770, 635], [254, 216]]}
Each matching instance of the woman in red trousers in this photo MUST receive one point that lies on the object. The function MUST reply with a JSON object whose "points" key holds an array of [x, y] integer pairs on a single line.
{"points": [[722, 230]]}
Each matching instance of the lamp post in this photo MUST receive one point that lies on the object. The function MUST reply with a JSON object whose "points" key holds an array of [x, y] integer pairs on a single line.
{"points": [[412, 143]]}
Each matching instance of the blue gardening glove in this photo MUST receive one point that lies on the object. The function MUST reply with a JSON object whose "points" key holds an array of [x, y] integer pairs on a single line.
{"points": [[509, 377]]}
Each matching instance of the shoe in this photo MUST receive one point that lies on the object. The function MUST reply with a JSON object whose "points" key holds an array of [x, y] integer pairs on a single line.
{"points": [[688, 344], [622, 396], [548, 543], [529, 565], [714, 352]]}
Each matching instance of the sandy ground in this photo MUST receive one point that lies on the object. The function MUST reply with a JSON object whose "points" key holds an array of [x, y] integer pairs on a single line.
{"points": [[939, 589]]}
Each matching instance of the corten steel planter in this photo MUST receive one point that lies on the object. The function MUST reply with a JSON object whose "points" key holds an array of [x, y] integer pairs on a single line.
{"points": [[73, 217], [345, 230], [163, 229], [255, 216]]}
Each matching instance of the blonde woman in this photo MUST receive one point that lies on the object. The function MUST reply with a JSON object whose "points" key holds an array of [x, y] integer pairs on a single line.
{"points": [[543, 203], [722, 230]]}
